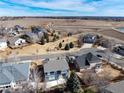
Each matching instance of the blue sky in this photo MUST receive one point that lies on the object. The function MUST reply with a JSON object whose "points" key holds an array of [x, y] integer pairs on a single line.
{"points": [[61, 7]]}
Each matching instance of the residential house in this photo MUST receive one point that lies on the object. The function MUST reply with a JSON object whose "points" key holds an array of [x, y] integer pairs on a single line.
{"points": [[39, 31], [35, 35], [3, 44], [55, 68], [2, 31], [90, 38], [10, 32], [30, 37], [105, 43], [86, 60], [16, 42], [117, 87], [119, 50], [18, 28], [13, 74], [56, 71]]}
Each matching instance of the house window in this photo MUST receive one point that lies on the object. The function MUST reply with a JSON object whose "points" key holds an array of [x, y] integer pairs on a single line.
{"points": [[64, 75], [65, 71], [52, 73], [46, 73], [50, 78], [47, 78], [21, 42], [58, 72], [8, 86]]}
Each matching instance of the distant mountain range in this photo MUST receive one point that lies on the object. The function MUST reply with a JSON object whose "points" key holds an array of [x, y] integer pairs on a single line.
{"points": [[67, 17]]}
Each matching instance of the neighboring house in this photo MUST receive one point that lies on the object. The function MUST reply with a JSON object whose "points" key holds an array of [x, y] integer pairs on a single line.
{"points": [[114, 88], [3, 44], [35, 35], [105, 43], [90, 38], [85, 61], [2, 31], [39, 31], [30, 37], [119, 50], [9, 32], [18, 28], [13, 74], [16, 42], [55, 68], [12, 31]]}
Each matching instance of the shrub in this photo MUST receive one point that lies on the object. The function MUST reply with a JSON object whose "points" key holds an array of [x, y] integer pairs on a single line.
{"points": [[46, 36], [60, 45], [42, 41], [71, 45], [67, 47]]}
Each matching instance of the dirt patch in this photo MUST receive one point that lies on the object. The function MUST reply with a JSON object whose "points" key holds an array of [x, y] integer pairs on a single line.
{"points": [[108, 72]]}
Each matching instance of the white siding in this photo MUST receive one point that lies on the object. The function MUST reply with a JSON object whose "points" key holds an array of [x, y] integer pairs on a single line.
{"points": [[20, 41], [3, 46]]}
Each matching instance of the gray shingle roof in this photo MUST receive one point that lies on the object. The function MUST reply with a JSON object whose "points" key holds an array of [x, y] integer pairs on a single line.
{"points": [[122, 47], [2, 40], [13, 72], [81, 60], [3, 79], [33, 37], [89, 38], [56, 64], [39, 29], [12, 40]]}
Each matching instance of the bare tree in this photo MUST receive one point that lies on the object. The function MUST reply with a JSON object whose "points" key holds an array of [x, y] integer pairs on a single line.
{"points": [[91, 78]]}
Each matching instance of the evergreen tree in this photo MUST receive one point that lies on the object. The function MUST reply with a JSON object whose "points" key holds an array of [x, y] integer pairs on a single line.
{"points": [[46, 36], [60, 45], [32, 28], [57, 37], [67, 47], [42, 41], [73, 83], [79, 43], [71, 45], [54, 37], [69, 34]]}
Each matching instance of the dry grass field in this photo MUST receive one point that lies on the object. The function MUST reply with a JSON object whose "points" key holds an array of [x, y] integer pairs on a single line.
{"points": [[109, 72], [27, 22]]}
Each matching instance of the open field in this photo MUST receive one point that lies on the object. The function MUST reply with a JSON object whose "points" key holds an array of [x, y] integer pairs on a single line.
{"points": [[42, 21], [71, 25]]}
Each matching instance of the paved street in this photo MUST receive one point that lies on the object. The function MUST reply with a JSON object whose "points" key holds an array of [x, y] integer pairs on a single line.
{"points": [[45, 56], [105, 54]]}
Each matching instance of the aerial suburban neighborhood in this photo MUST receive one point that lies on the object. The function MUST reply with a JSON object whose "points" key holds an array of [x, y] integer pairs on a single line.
{"points": [[61, 55]]}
